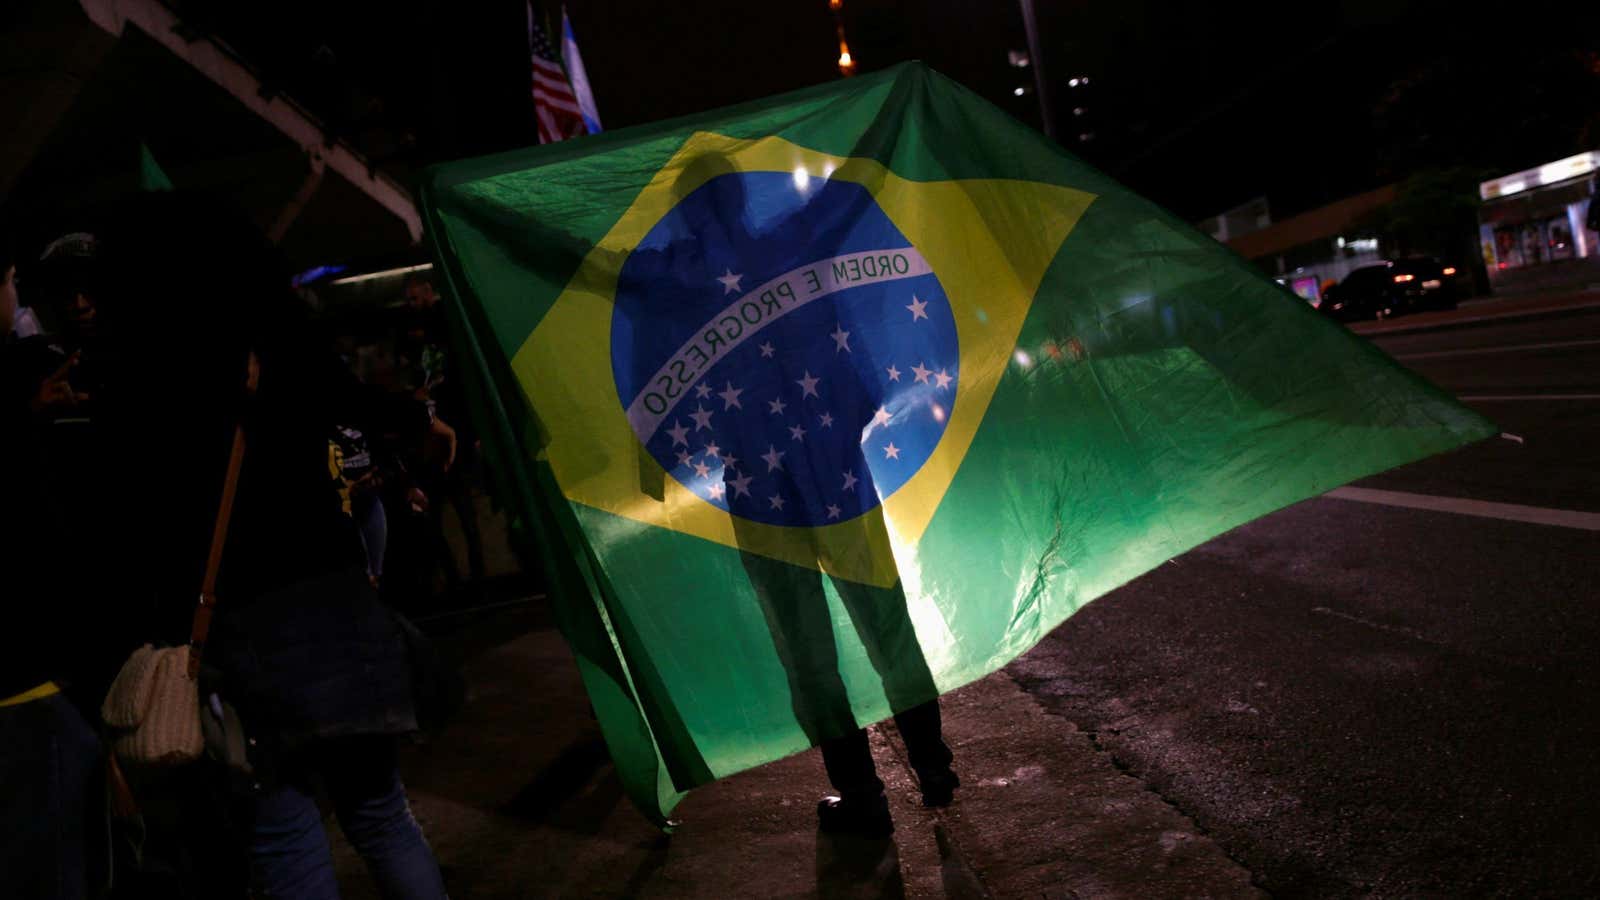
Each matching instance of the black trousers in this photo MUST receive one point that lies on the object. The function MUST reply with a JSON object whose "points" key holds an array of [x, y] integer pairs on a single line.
{"points": [[848, 759], [796, 610]]}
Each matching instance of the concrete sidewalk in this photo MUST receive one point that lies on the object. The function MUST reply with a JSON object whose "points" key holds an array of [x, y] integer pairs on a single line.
{"points": [[519, 800]]}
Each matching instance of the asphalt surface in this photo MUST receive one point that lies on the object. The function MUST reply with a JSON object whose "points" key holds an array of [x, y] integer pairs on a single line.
{"points": [[1356, 699], [1343, 699]]}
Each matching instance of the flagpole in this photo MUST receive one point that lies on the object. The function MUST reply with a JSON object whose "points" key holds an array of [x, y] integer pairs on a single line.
{"points": [[1036, 58]]}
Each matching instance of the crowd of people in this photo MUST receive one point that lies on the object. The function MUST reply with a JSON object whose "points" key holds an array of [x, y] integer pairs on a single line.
{"points": [[172, 424], [130, 354]]}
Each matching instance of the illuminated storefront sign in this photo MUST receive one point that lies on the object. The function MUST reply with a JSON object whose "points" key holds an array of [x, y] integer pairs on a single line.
{"points": [[1549, 173]]}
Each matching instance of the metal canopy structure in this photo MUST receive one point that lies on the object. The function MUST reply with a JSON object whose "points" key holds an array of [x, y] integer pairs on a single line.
{"points": [[92, 83]]}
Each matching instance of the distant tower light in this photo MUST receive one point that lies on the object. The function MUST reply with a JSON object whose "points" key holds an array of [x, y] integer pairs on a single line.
{"points": [[1083, 80], [835, 4], [847, 66], [1078, 110], [1072, 82], [1086, 137], [1019, 59], [1020, 90]]}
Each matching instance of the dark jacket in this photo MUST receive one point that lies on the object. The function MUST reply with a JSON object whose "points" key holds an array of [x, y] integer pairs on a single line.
{"points": [[299, 633], [190, 292], [40, 601]]}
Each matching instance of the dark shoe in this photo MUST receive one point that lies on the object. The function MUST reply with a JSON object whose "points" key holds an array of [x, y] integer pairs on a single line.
{"points": [[864, 817], [940, 788]]}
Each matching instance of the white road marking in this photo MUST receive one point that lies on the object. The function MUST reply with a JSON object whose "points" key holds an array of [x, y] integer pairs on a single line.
{"points": [[1484, 351], [1511, 398], [1511, 512], [1392, 629]]}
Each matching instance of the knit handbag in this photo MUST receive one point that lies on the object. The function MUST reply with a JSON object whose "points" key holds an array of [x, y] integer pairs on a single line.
{"points": [[153, 706]]}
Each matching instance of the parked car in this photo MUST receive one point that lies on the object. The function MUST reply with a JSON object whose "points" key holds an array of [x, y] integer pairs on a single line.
{"points": [[1393, 288]]}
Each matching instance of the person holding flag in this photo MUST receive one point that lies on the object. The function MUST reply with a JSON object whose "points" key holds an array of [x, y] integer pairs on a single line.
{"points": [[875, 370]]}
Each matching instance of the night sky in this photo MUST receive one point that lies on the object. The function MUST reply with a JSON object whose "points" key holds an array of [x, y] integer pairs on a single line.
{"points": [[1199, 106]]}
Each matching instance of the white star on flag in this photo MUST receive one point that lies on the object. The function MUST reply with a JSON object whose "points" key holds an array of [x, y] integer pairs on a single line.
{"points": [[730, 281], [943, 379], [776, 500], [891, 451], [716, 490], [701, 391], [766, 349], [774, 458], [918, 308], [730, 397], [894, 374], [701, 417], [712, 451], [777, 406], [826, 419], [730, 461], [684, 458], [833, 511], [797, 432], [881, 417], [841, 339], [850, 479], [741, 485], [922, 374], [680, 434], [701, 470], [808, 386]]}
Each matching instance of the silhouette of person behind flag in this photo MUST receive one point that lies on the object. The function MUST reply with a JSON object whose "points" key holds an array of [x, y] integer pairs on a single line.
{"points": [[793, 597]]}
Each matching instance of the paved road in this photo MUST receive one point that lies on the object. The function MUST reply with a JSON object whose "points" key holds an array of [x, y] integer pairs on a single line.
{"points": [[1355, 698]]}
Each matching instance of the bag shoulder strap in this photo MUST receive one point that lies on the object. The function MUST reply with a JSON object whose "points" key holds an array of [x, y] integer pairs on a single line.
{"points": [[201, 625]]}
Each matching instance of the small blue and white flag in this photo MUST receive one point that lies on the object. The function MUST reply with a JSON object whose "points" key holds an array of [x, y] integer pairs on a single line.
{"points": [[577, 76]]}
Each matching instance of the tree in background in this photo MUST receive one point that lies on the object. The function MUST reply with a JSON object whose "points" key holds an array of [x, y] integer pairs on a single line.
{"points": [[1435, 213]]}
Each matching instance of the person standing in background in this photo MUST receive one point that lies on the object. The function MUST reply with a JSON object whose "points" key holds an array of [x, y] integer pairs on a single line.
{"points": [[433, 376], [50, 760], [319, 668]]}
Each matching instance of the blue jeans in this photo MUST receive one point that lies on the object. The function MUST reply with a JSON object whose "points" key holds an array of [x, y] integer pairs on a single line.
{"points": [[372, 523], [289, 855], [51, 801]]}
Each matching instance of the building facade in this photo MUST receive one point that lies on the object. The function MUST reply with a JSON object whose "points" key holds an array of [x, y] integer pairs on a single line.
{"points": [[1537, 227]]}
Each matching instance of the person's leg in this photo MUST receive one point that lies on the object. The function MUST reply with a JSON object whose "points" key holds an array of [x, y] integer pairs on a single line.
{"points": [[797, 617], [884, 625], [848, 760], [462, 501], [364, 783], [289, 855], [796, 610], [921, 729], [374, 527], [444, 554], [861, 806]]}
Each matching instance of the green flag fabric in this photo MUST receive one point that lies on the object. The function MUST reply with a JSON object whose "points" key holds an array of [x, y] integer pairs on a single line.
{"points": [[820, 406], [152, 178]]}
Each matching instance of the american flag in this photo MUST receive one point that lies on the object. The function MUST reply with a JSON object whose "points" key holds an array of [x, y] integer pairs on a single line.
{"points": [[554, 104]]}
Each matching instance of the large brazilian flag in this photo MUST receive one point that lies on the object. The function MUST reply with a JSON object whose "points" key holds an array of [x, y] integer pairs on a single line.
{"points": [[820, 406]]}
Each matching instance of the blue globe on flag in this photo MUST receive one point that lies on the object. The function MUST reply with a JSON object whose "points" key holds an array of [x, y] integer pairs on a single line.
{"points": [[782, 350]]}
